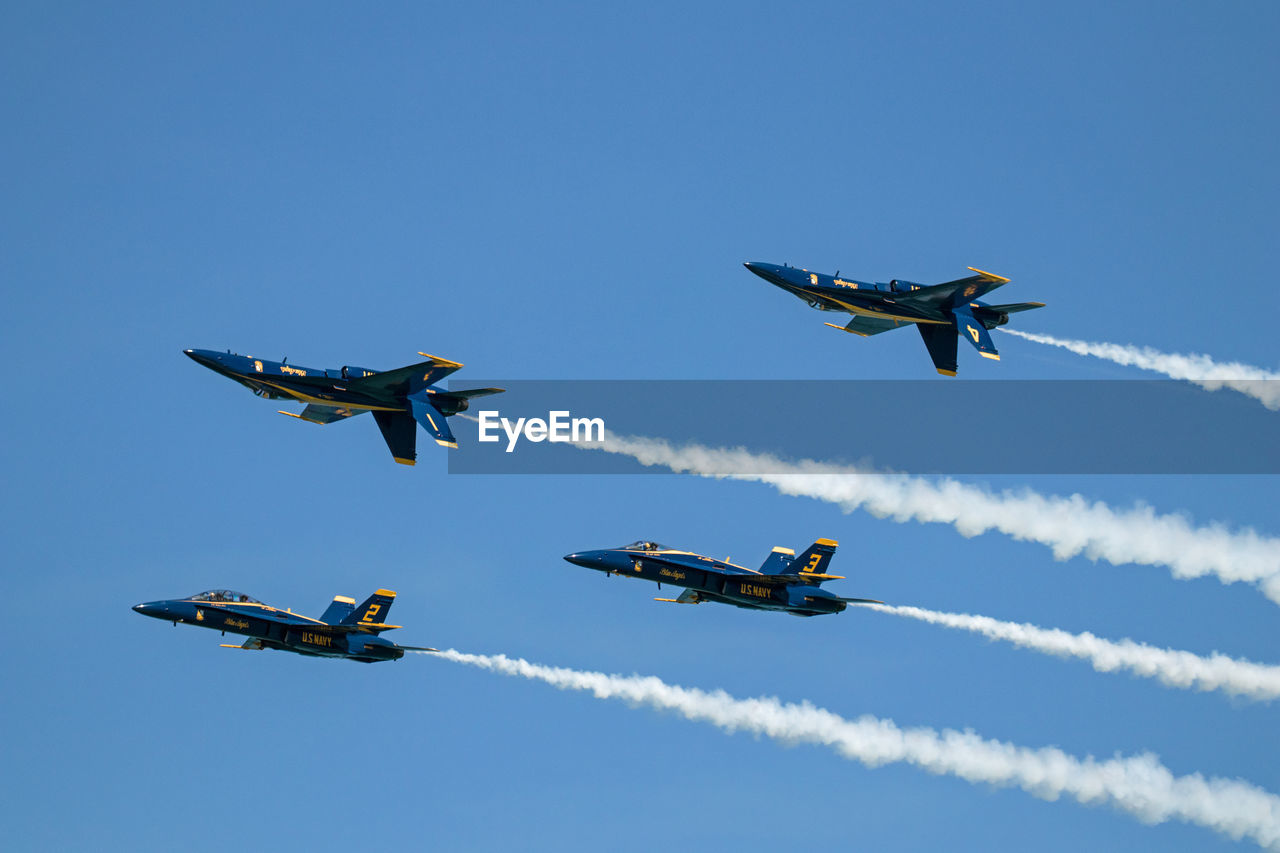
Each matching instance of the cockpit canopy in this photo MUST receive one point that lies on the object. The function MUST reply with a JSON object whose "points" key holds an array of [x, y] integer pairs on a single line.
{"points": [[225, 595], [642, 545]]}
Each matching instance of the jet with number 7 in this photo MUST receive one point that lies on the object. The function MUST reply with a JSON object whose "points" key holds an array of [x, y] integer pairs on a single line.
{"points": [[400, 399], [785, 582]]}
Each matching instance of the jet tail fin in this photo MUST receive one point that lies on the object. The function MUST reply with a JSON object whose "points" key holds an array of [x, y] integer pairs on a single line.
{"points": [[373, 612], [941, 343], [340, 608], [813, 561], [400, 434], [973, 329], [778, 561], [432, 421]]}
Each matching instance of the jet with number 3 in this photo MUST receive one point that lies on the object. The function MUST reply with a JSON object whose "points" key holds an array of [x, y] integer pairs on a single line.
{"points": [[343, 631], [785, 582], [400, 399], [942, 313]]}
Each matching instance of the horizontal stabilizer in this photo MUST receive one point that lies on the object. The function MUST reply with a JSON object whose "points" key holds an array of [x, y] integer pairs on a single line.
{"points": [[1013, 307], [419, 649], [861, 601], [476, 392]]}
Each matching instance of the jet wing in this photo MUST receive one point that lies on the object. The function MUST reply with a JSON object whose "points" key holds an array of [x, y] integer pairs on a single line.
{"points": [[403, 379], [956, 292], [324, 414], [687, 597], [782, 580], [356, 628], [253, 644], [867, 326]]}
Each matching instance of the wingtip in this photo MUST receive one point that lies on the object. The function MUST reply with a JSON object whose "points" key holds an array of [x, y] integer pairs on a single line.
{"points": [[403, 461], [946, 372], [990, 276], [443, 362]]}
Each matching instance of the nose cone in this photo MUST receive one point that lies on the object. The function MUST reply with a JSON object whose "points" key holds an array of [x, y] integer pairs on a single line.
{"points": [[768, 272], [158, 609], [586, 559], [202, 356]]}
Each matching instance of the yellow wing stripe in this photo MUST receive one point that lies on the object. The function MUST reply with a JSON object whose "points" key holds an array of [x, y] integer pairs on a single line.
{"points": [[443, 362], [990, 276]]}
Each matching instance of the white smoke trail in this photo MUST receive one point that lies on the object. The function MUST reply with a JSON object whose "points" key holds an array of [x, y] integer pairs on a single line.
{"points": [[1139, 784], [1068, 525], [1256, 382], [1171, 666]]}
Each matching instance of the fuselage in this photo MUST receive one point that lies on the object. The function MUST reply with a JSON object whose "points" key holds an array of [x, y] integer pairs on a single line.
{"points": [[864, 298], [322, 386], [272, 628], [711, 579]]}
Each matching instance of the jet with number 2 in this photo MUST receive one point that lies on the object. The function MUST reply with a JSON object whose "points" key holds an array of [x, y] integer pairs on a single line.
{"points": [[343, 631], [941, 312], [785, 582], [400, 399]]}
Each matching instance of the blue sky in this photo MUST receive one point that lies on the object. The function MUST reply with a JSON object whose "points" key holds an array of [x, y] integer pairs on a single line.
{"points": [[567, 191]]}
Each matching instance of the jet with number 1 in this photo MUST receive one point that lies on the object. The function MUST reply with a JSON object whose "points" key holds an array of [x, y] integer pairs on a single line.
{"points": [[400, 399], [941, 312], [785, 582]]}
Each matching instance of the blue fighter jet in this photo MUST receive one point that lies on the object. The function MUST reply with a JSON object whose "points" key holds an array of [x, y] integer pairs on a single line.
{"points": [[942, 312], [785, 582], [399, 399], [343, 631]]}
